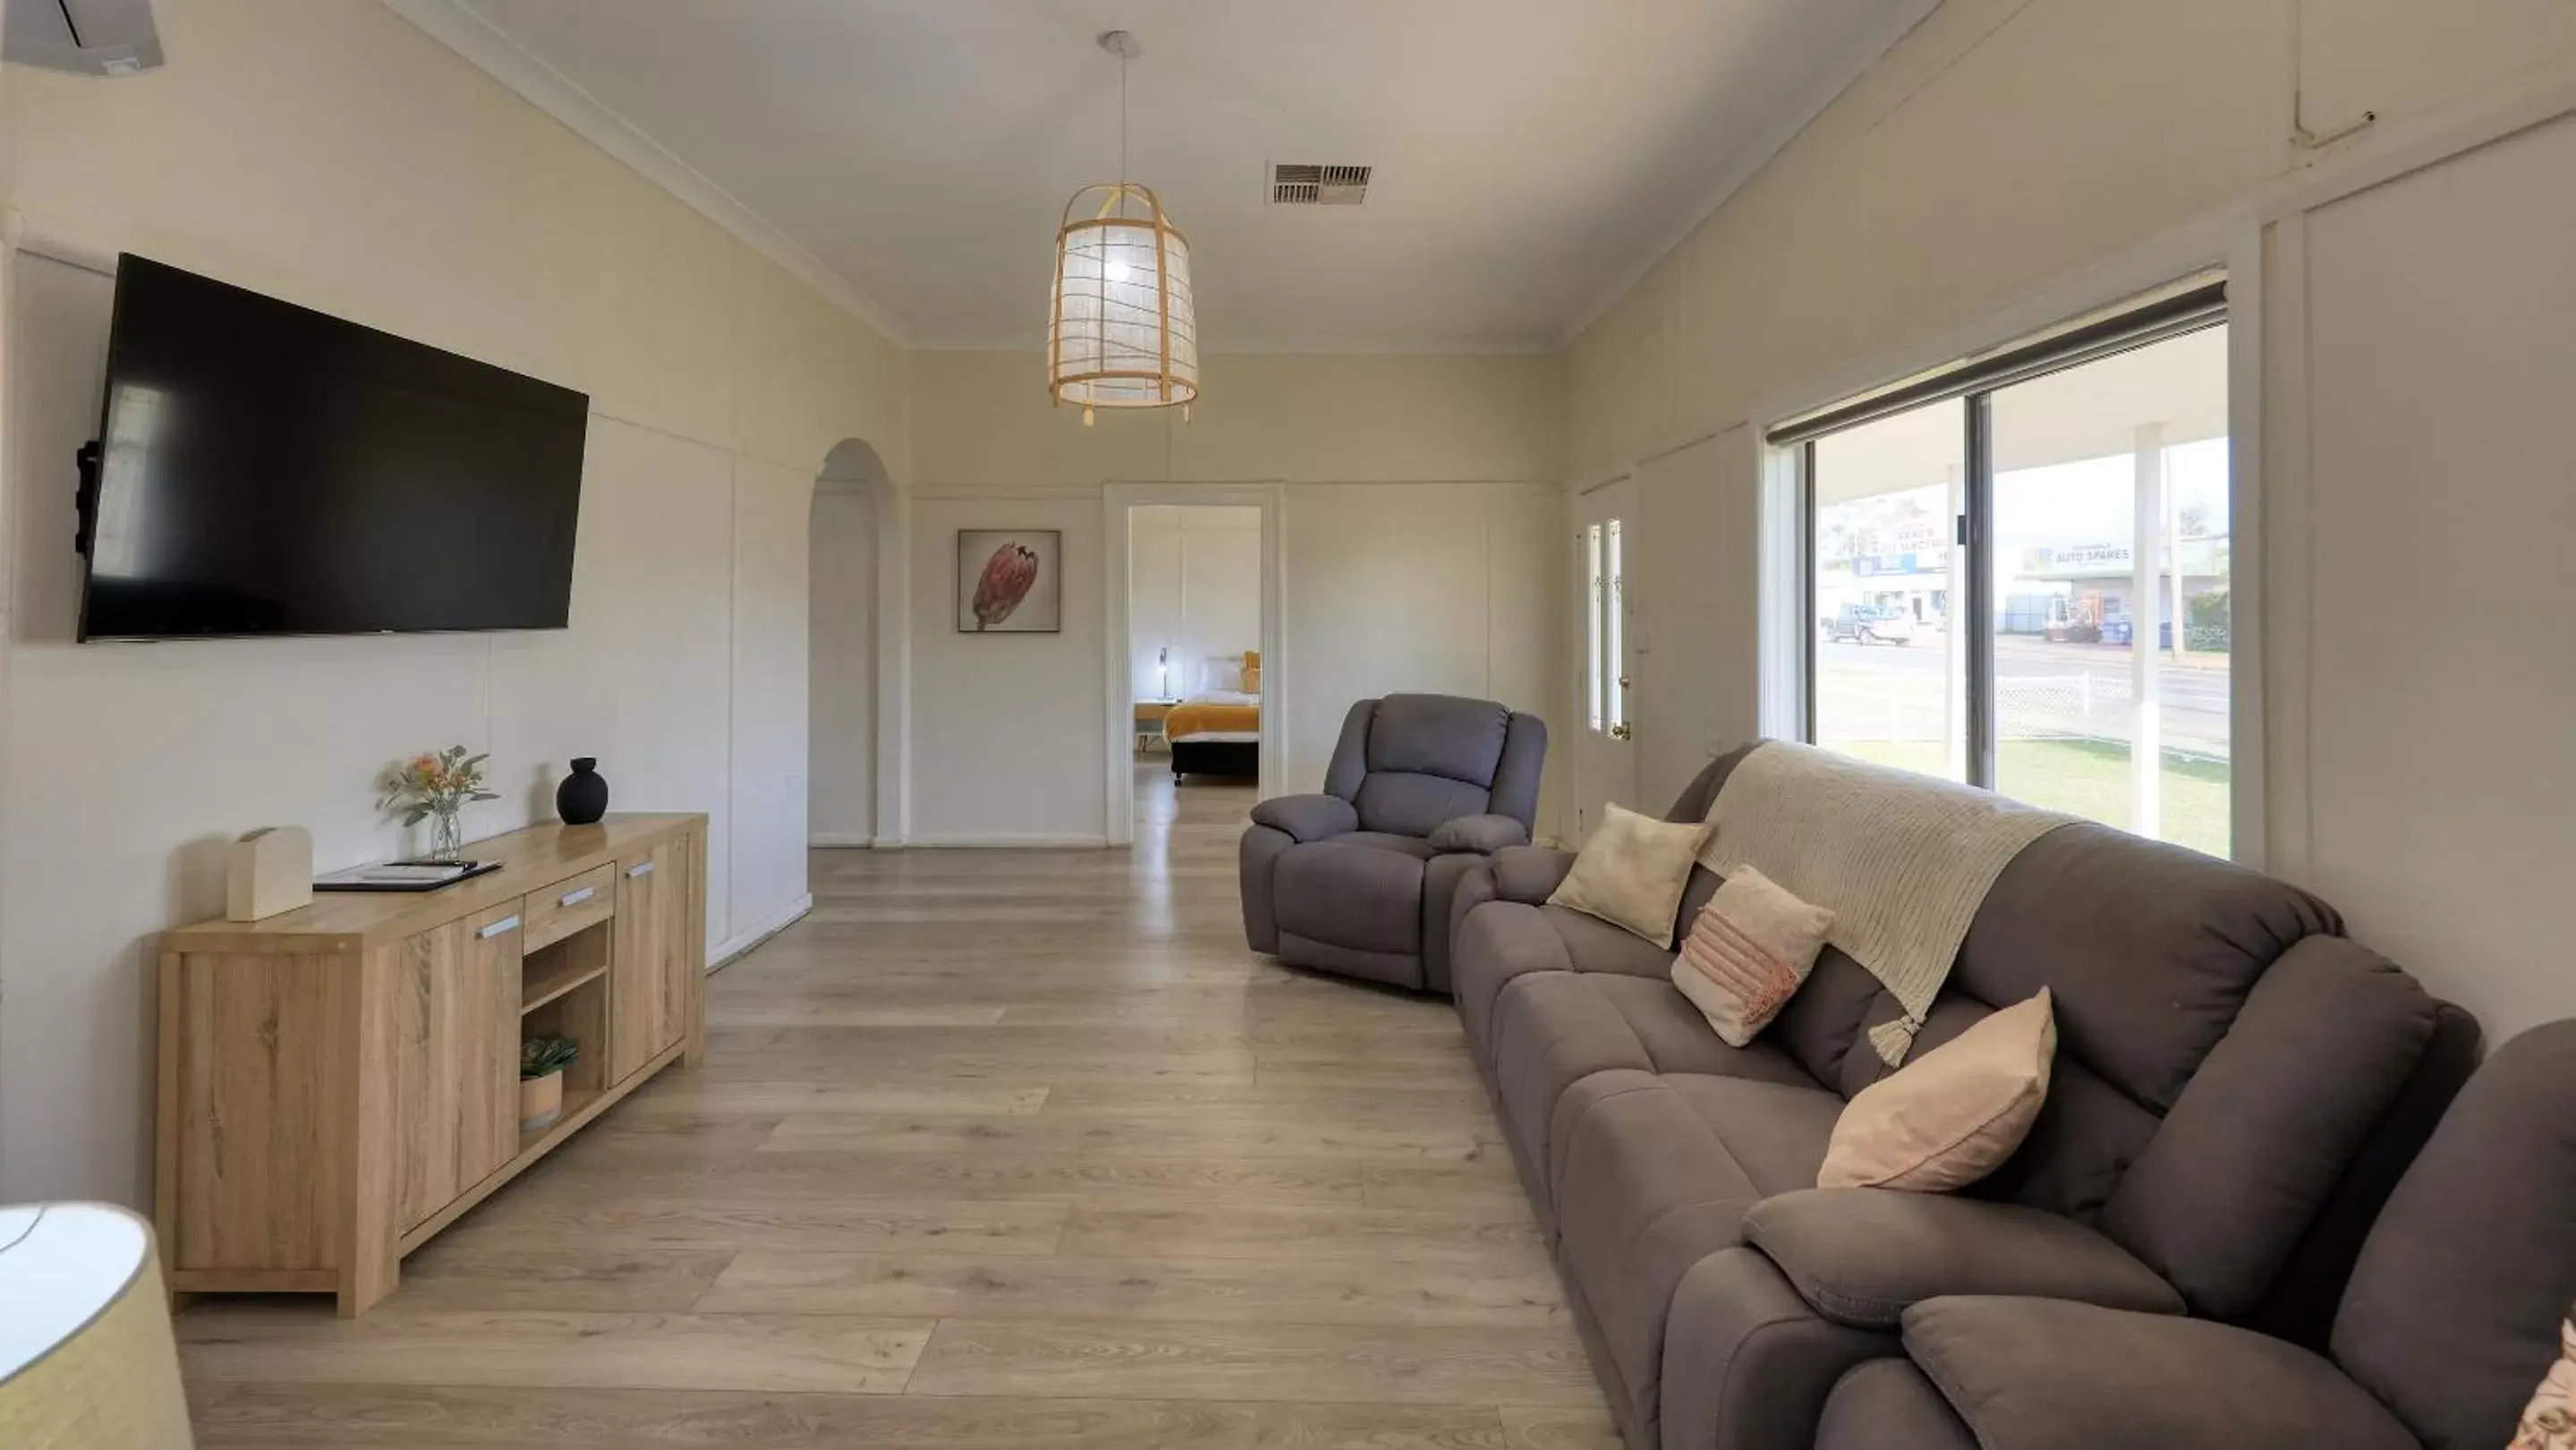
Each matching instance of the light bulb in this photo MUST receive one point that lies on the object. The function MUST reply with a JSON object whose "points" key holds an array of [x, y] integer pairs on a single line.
{"points": [[1116, 271]]}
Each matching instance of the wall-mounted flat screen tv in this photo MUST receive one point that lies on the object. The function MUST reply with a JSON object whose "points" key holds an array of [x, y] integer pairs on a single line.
{"points": [[265, 469]]}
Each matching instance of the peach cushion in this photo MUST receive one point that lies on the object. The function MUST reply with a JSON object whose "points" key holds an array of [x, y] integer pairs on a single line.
{"points": [[1631, 871], [1951, 1116], [1748, 952]]}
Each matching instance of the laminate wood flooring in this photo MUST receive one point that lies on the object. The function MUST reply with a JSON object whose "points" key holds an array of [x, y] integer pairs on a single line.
{"points": [[994, 1149]]}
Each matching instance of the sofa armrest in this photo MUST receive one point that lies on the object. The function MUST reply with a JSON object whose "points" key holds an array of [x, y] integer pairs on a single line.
{"points": [[1482, 835], [1308, 817], [1862, 1255], [1530, 874], [2047, 1374]]}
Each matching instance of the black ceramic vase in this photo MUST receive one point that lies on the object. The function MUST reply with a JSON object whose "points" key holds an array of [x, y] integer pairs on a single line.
{"points": [[583, 797]]}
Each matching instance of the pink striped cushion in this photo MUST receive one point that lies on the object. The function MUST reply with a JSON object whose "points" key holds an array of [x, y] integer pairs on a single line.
{"points": [[1747, 954]]}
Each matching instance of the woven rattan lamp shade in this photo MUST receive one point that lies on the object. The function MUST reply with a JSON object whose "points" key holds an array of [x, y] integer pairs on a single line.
{"points": [[1122, 327]]}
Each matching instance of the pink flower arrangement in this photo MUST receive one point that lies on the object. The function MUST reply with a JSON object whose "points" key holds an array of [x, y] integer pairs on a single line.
{"points": [[434, 785]]}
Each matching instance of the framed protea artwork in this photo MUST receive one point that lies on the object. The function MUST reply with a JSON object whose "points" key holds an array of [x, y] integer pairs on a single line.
{"points": [[1010, 581]]}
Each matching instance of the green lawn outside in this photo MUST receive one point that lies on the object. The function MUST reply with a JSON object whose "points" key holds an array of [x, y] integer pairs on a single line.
{"points": [[2089, 778]]}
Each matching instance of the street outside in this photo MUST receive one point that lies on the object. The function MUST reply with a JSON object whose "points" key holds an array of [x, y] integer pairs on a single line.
{"points": [[2065, 721]]}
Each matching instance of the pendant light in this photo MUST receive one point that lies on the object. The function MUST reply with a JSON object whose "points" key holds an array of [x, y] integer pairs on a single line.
{"points": [[1122, 326]]}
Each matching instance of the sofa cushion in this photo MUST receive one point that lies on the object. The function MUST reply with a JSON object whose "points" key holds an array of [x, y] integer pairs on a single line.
{"points": [[1822, 1022], [1413, 846], [2039, 1374], [1655, 1174], [1862, 1256], [1351, 894], [1888, 1402], [2149, 949], [1598, 947], [1551, 1030], [1408, 804], [2454, 1308], [1441, 735], [2256, 1144]]}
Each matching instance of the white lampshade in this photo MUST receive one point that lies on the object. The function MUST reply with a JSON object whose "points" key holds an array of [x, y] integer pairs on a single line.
{"points": [[1122, 327], [86, 1356]]}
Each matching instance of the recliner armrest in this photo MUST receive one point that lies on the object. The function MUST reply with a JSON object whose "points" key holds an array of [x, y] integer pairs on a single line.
{"points": [[1482, 835], [2047, 1374], [1308, 817], [1861, 1256], [1530, 874]]}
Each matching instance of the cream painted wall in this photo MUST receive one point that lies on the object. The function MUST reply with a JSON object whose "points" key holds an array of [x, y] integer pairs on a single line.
{"points": [[330, 154], [1194, 588], [2007, 148], [982, 420], [842, 652], [1420, 524], [1006, 728]]}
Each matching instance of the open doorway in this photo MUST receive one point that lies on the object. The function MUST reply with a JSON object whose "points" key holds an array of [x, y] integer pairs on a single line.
{"points": [[1194, 665], [855, 654]]}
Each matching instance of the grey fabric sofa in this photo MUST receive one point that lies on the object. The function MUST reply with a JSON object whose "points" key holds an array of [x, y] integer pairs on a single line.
{"points": [[2449, 1322], [2236, 1088], [1358, 880]]}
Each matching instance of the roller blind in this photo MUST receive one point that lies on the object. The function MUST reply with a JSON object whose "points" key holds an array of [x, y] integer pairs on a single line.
{"points": [[2186, 306]]}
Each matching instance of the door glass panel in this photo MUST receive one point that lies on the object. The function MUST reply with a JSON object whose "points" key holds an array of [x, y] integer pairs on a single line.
{"points": [[1890, 678], [1592, 595], [2111, 590], [1614, 645]]}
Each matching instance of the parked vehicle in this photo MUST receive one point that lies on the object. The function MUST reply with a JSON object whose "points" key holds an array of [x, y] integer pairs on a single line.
{"points": [[1870, 624], [2074, 621]]}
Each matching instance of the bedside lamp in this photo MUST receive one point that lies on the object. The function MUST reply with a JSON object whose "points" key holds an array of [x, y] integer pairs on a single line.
{"points": [[86, 1357], [1163, 673]]}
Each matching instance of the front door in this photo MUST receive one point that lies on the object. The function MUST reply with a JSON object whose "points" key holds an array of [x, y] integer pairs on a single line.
{"points": [[1605, 757]]}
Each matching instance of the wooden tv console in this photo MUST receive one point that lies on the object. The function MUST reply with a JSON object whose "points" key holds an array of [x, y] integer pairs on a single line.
{"points": [[340, 1082]]}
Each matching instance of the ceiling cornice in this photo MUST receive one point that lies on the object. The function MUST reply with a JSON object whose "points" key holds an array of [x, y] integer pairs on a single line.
{"points": [[492, 51], [1749, 159]]}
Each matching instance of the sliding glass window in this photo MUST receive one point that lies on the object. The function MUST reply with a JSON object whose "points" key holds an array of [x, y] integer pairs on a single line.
{"points": [[2022, 579]]}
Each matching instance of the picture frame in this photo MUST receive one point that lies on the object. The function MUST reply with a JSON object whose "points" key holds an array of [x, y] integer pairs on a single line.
{"points": [[1010, 581]]}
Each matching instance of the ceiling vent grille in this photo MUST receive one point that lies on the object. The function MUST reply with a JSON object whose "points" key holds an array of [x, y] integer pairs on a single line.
{"points": [[1308, 184]]}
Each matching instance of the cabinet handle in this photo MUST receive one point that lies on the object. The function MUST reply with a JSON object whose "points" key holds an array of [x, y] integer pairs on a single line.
{"points": [[640, 868], [507, 923], [576, 898]]}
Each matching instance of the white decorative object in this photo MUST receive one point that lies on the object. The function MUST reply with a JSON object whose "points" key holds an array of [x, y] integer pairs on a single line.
{"points": [[86, 1356], [1122, 322], [268, 871]]}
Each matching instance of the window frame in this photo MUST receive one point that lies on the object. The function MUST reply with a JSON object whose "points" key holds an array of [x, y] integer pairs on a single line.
{"points": [[2197, 303]]}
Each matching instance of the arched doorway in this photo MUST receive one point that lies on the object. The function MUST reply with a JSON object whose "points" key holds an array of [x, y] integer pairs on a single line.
{"points": [[857, 654]]}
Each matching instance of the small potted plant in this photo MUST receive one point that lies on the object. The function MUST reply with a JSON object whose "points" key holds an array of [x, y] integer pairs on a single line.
{"points": [[435, 788], [542, 1061]]}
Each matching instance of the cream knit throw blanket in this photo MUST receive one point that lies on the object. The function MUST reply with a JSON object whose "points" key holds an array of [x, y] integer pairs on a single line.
{"points": [[1902, 860]]}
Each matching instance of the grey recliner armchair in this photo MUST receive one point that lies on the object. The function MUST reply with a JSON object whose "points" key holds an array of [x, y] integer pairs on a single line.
{"points": [[1358, 880]]}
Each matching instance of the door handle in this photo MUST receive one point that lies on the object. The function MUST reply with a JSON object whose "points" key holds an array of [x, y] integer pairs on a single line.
{"points": [[505, 924], [640, 868], [576, 898], [1623, 682], [1621, 731]]}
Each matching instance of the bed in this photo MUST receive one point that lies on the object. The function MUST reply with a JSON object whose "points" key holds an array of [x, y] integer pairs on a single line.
{"points": [[1218, 732]]}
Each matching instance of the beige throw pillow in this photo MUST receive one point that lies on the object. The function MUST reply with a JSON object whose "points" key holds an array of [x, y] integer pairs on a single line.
{"points": [[1631, 871], [1747, 953], [1951, 1116]]}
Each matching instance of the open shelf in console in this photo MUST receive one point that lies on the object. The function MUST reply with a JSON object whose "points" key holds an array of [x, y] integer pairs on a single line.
{"points": [[563, 992]]}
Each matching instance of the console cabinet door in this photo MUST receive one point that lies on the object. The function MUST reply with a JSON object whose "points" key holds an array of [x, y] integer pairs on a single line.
{"points": [[648, 1001], [456, 1059]]}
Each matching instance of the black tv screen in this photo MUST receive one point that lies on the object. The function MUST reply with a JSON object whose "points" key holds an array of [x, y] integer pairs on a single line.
{"points": [[266, 469]]}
